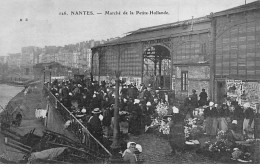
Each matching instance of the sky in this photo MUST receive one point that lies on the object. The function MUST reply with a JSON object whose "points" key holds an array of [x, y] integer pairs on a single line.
{"points": [[47, 27]]}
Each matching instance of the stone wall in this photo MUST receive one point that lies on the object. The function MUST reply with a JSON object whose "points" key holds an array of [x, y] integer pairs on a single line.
{"points": [[54, 122], [198, 78]]}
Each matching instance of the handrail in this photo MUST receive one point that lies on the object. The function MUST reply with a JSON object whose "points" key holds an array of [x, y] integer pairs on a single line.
{"points": [[87, 130], [82, 126]]}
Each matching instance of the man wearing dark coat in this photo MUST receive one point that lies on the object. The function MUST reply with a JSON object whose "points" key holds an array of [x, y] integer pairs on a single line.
{"points": [[203, 98], [188, 107], [131, 92], [124, 92], [94, 125], [194, 99]]}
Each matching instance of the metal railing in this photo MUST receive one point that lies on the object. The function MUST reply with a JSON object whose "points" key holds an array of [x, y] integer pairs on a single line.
{"points": [[77, 128]]}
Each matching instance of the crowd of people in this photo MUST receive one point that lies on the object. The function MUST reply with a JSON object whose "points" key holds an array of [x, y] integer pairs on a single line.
{"points": [[222, 116], [93, 104]]}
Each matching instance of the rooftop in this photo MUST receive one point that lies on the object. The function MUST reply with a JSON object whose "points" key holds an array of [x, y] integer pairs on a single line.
{"points": [[149, 33], [153, 32], [241, 8]]}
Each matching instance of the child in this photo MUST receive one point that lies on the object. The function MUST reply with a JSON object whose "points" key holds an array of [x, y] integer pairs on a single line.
{"points": [[138, 153]]}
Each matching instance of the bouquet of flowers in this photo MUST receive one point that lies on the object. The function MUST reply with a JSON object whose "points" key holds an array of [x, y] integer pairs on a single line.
{"points": [[219, 147], [221, 135], [164, 128], [236, 153], [191, 129], [155, 123], [187, 131], [190, 122], [241, 155], [162, 110]]}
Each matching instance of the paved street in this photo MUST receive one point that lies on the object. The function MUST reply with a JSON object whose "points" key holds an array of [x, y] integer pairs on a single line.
{"points": [[156, 150]]}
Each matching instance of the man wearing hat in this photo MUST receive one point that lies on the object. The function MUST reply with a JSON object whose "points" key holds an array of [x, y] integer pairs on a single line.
{"points": [[94, 125], [194, 99], [147, 94], [203, 98]]}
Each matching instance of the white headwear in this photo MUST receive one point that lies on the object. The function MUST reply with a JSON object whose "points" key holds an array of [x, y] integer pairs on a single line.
{"points": [[136, 101], [139, 147], [234, 122], [129, 144], [148, 103], [211, 104], [67, 124], [246, 105], [125, 100], [70, 94], [175, 110], [83, 110], [100, 117]]}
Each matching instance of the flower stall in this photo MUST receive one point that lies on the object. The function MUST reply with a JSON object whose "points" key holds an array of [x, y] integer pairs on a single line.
{"points": [[160, 124], [228, 151]]}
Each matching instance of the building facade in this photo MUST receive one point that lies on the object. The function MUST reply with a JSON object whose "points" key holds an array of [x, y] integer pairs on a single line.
{"points": [[172, 56], [14, 60], [215, 52], [236, 53]]}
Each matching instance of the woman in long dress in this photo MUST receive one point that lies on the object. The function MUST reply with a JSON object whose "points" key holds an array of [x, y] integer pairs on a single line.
{"points": [[222, 115], [210, 115], [177, 136], [248, 123]]}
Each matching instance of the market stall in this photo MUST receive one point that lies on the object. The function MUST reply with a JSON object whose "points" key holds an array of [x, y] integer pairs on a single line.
{"points": [[243, 91], [228, 146]]}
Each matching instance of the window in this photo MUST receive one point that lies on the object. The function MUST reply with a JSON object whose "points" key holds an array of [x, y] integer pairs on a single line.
{"points": [[184, 80], [203, 48]]}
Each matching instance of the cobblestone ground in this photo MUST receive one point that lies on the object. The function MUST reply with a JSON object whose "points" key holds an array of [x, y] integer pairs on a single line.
{"points": [[156, 150]]}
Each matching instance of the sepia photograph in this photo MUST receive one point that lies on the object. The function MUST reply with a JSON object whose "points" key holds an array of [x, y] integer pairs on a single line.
{"points": [[130, 82]]}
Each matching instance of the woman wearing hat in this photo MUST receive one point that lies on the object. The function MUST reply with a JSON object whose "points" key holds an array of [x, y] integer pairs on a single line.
{"points": [[129, 154], [210, 116], [248, 123], [223, 113], [135, 118], [236, 113], [177, 136], [147, 112]]}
